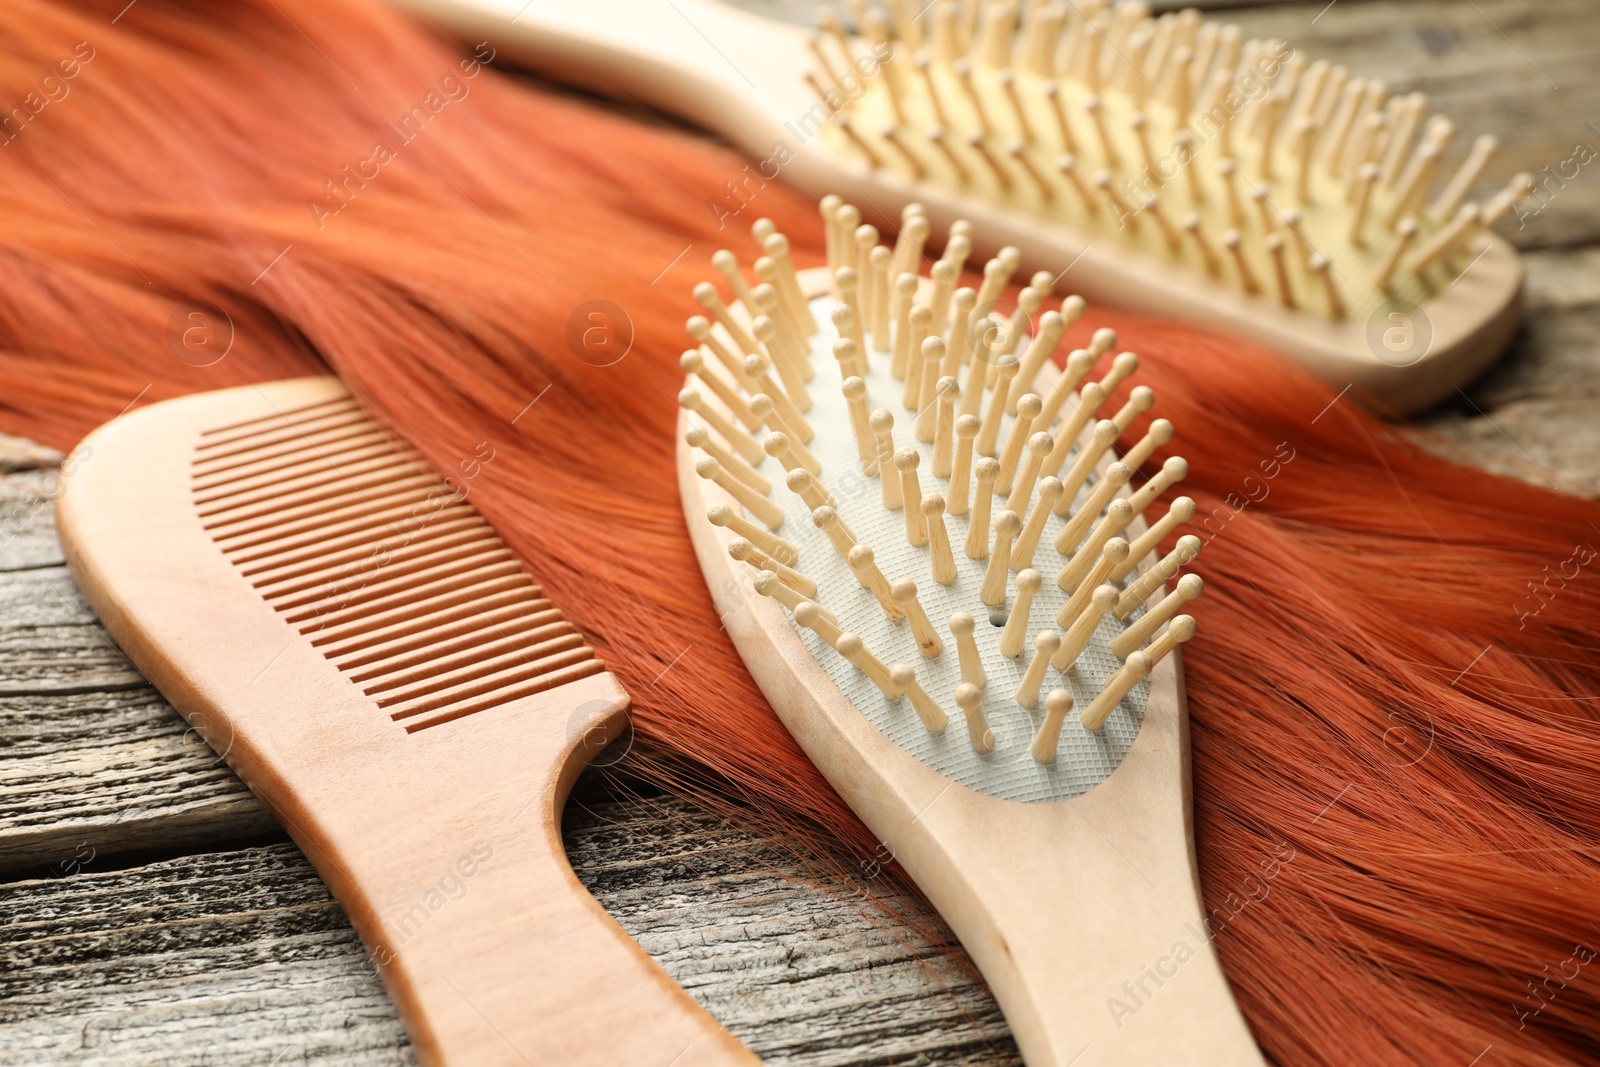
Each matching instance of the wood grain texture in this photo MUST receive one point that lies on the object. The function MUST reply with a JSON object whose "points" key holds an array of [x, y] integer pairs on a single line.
{"points": [[789, 968], [94, 758], [242, 957], [230, 957], [1534, 415], [21, 454]]}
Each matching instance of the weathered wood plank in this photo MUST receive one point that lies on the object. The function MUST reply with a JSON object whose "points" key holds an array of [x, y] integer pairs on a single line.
{"points": [[111, 772], [94, 760], [243, 958], [27, 514], [820, 980], [226, 958], [1534, 415], [21, 454], [50, 660]]}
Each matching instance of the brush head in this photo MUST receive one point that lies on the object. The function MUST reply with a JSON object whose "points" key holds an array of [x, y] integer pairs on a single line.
{"points": [[923, 543], [980, 697], [1228, 141], [1235, 175]]}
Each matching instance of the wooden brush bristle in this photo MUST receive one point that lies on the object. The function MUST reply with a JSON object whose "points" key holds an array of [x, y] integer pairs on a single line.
{"points": [[1241, 160], [1025, 481]]}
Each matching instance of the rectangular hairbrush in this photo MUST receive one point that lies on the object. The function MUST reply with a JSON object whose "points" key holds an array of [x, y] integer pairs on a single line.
{"points": [[1187, 172], [954, 603], [339, 623]]}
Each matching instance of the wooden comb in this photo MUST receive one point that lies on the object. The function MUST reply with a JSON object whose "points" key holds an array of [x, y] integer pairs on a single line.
{"points": [[338, 622], [1088, 136], [953, 603]]}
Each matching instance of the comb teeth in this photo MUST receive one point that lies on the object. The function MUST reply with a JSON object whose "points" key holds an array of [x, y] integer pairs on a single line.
{"points": [[386, 569], [1238, 160], [980, 509]]}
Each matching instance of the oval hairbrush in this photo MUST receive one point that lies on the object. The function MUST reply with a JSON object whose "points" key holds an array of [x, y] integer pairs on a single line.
{"points": [[340, 624], [962, 616], [1183, 170]]}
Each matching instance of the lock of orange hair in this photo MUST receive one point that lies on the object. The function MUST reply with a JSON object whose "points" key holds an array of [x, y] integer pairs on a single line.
{"points": [[1393, 694]]}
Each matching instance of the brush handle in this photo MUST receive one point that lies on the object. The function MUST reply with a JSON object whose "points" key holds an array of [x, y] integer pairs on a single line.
{"points": [[447, 857], [1093, 941], [1084, 915], [688, 57], [493, 950]]}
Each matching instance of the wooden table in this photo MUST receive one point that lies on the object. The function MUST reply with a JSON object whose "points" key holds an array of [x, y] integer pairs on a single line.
{"points": [[153, 913]]}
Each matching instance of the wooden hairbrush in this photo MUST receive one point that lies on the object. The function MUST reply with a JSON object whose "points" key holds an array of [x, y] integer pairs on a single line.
{"points": [[337, 621], [921, 539], [1178, 169]]}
